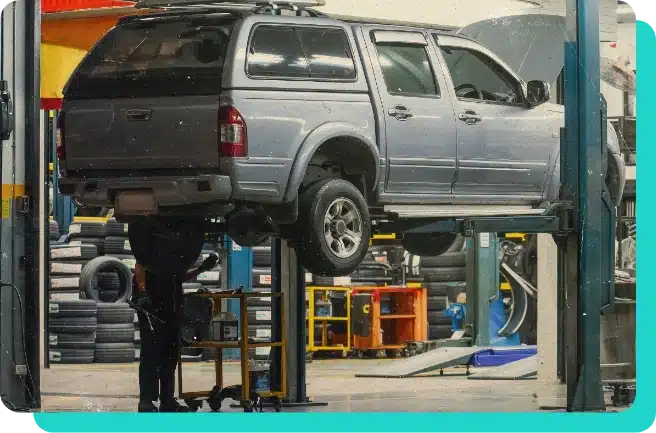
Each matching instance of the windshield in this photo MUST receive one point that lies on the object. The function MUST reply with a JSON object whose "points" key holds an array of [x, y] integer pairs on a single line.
{"points": [[148, 58]]}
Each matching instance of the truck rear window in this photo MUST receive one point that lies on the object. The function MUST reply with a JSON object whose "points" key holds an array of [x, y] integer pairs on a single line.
{"points": [[148, 58]]}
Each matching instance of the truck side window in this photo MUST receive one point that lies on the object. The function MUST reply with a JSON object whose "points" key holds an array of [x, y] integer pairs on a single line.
{"points": [[277, 52], [476, 76], [328, 52], [407, 69], [301, 52]]}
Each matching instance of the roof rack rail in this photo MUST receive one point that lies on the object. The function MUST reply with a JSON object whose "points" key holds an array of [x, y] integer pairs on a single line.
{"points": [[287, 4]]}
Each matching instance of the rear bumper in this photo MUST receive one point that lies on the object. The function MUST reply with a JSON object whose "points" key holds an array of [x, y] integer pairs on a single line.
{"points": [[168, 191]]}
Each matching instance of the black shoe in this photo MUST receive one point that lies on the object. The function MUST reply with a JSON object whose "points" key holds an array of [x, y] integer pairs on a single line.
{"points": [[146, 406], [173, 406]]}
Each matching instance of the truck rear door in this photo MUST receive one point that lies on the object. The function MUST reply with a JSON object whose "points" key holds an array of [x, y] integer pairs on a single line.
{"points": [[147, 97], [420, 125]]}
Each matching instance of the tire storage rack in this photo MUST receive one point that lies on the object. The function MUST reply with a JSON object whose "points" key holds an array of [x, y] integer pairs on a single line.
{"points": [[91, 270]]}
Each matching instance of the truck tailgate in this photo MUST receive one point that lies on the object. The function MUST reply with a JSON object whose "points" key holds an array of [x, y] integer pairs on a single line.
{"points": [[142, 133]]}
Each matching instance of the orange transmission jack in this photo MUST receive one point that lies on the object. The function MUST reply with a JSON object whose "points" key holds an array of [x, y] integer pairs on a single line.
{"points": [[387, 318]]}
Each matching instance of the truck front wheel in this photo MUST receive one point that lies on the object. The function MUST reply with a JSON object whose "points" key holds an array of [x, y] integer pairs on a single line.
{"points": [[334, 228], [166, 248]]}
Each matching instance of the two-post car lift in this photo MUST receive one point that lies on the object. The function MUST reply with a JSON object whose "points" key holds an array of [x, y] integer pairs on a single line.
{"points": [[582, 224]]}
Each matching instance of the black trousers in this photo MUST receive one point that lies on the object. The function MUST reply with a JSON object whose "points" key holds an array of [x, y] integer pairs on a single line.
{"points": [[160, 345]]}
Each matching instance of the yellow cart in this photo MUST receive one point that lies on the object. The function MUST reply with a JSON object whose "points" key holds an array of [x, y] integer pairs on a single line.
{"points": [[243, 392], [344, 344]]}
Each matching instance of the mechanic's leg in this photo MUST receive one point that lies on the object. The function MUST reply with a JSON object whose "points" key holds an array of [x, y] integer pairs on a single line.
{"points": [[170, 354], [148, 367]]}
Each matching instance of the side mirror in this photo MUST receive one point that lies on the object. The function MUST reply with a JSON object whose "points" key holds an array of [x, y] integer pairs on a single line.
{"points": [[537, 92], [6, 111]]}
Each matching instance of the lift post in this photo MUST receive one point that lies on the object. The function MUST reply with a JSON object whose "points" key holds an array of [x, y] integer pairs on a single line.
{"points": [[582, 150]]}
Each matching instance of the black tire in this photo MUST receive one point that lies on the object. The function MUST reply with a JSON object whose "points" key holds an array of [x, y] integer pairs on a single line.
{"points": [[262, 256], [117, 229], [108, 281], [458, 245], [264, 301], [114, 352], [443, 274], [89, 280], [71, 356], [445, 260], [164, 248], [65, 283], [116, 245], [191, 287], [261, 277], [53, 229], [315, 253], [71, 341], [259, 316], [99, 243], [209, 278], [72, 267], [87, 229], [82, 308], [449, 289], [435, 303], [115, 313], [127, 259], [437, 332], [73, 325], [320, 281], [73, 252], [430, 245], [115, 333], [438, 318]]}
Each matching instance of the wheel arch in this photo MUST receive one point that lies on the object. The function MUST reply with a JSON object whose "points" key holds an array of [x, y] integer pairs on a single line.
{"points": [[353, 149]]}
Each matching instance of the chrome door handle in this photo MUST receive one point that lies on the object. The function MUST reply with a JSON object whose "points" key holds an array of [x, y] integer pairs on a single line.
{"points": [[400, 112], [470, 117]]}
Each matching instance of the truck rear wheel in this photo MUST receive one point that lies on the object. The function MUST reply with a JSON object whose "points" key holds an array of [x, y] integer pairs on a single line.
{"points": [[166, 248], [334, 228]]}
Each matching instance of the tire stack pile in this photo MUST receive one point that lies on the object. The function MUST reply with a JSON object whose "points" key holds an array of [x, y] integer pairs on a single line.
{"points": [[259, 309], [444, 278], [88, 233], [53, 230], [117, 244], [115, 334], [72, 331], [66, 265]]}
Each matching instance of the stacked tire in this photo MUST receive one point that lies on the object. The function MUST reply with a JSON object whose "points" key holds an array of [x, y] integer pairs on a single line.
{"points": [[117, 244], [88, 233], [259, 308], [444, 277], [53, 231], [72, 331], [66, 264], [115, 334]]}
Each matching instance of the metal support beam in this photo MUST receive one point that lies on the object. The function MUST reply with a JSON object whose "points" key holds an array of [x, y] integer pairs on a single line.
{"points": [[580, 166], [288, 278]]}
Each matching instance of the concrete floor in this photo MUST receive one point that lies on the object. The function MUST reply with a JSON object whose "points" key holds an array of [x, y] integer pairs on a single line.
{"points": [[113, 387]]}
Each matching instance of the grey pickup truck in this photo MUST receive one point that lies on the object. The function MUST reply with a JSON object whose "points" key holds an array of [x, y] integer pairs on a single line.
{"points": [[281, 121]]}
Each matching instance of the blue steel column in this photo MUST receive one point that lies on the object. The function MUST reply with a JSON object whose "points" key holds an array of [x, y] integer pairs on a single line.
{"points": [[240, 273], [582, 161]]}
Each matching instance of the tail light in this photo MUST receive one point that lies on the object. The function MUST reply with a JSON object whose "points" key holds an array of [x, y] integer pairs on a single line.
{"points": [[61, 150], [233, 137]]}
